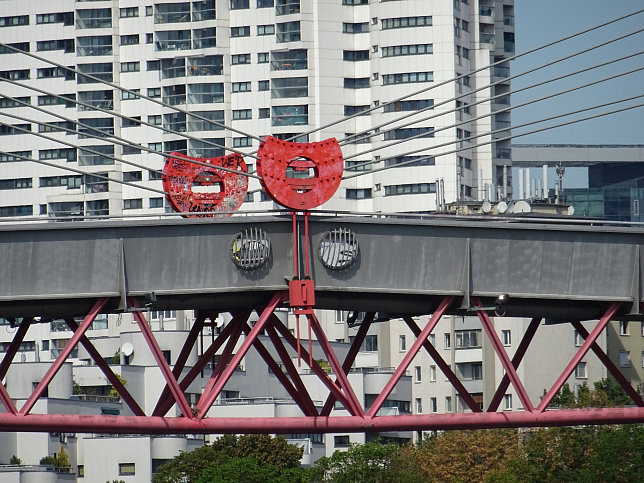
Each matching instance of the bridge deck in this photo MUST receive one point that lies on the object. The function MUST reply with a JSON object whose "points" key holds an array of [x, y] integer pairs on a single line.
{"points": [[404, 266]]}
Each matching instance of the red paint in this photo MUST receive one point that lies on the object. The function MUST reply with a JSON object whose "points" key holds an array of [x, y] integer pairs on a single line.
{"points": [[300, 176], [199, 191]]}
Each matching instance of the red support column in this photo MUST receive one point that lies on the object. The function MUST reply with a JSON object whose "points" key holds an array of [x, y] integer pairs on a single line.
{"points": [[612, 368], [183, 355], [400, 370], [161, 362], [350, 358], [107, 370], [62, 357], [343, 381], [447, 370], [503, 356], [164, 405], [612, 309], [315, 367], [207, 398], [14, 346], [296, 389], [516, 361]]}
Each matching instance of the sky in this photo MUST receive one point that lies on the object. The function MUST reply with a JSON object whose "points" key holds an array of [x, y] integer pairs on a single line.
{"points": [[538, 22]]}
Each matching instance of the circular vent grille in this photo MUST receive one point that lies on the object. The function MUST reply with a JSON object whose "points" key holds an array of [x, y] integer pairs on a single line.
{"points": [[250, 249], [338, 248]]}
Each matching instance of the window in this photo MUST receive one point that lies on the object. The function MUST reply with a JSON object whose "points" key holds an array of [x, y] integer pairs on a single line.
{"points": [[81, 468], [359, 83], [402, 343], [66, 18], [204, 38], [642, 358], [341, 441], [287, 7], [239, 4], [411, 105], [130, 39], [172, 12], [400, 50], [264, 3], [506, 337], [410, 189], [358, 194], [131, 176], [432, 373], [578, 340], [130, 66], [16, 183], [448, 342], [355, 28], [205, 120], [203, 10], [129, 12], [353, 110], [419, 405], [624, 359], [155, 120], [295, 59], [14, 156], [129, 95], [22, 210], [100, 155], [407, 78], [406, 133], [126, 469], [241, 86], [155, 146], [262, 58], [405, 22], [580, 370], [507, 402], [264, 113], [133, 204], [242, 142], [14, 21], [418, 374], [240, 59], [448, 404], [355, 2], [154, 92], [296, 115], [623, 327], [102, 71], [266, 29], [8, 103], [433, 406], [94, 18], [133, 121], [468, 338], [242, 114], [355, 55], [263, 85], [205, 93], [243, 31], [290, 87], [168, 40], [288, 32], [370, 343]]}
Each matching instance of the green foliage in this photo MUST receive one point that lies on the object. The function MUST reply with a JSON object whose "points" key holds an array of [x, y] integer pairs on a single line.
{"points": [[363, 463], [606, 393], [60, 461], [116, 358], [113, 392], [264, 449], [15, 460], [249, 470]]}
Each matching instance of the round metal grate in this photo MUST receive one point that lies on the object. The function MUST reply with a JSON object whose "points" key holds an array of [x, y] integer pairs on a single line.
{"points": [[250, 249], [338, 248]]}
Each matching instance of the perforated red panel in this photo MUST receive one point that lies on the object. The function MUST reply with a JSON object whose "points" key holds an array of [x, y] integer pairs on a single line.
{"points": [[196, 190], [300, 175]]}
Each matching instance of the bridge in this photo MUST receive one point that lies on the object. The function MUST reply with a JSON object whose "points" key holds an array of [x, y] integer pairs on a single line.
{"points": [[404, 267]]}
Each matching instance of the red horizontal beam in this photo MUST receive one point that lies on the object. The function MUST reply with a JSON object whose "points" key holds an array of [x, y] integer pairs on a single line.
{"points": [[349, 424]]}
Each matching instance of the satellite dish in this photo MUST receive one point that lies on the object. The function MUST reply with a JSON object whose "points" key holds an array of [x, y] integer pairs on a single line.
{"points": [[486, 207], [219, 321], [502, 207], [571, 210], [510, 207], [127, 349], [522, 207]]}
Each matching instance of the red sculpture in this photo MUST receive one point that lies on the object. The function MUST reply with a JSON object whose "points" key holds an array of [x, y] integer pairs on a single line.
{"points": [[196, 190], [300, 176]]}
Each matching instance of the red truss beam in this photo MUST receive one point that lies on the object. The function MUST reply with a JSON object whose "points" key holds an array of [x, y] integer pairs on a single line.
{"points": [[314, 419]]}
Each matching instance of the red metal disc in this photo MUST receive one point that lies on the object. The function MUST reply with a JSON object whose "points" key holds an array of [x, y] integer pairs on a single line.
{"points": [[196, 190], [300, 175]]}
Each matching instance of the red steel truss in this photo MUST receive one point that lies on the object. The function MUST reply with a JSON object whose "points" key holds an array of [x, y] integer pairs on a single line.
{"points": [[203, 418]]}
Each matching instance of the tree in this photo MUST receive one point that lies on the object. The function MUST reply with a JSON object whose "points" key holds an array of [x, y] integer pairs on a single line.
{"points": [[264, 449], [249, 470], [113, 392], [462, 455], [60, 461], [606, 393], [15, 460], [363, 463]]}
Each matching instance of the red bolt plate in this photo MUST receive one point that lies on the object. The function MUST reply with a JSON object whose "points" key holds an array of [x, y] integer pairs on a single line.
{"points": [[196, 190], [300, 175]]}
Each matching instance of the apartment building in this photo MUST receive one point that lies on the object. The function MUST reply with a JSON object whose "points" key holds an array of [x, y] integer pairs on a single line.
{"points": [[224, 73]]}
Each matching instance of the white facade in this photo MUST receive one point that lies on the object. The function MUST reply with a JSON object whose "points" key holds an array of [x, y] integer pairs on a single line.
{"points": [[261, 67]]}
